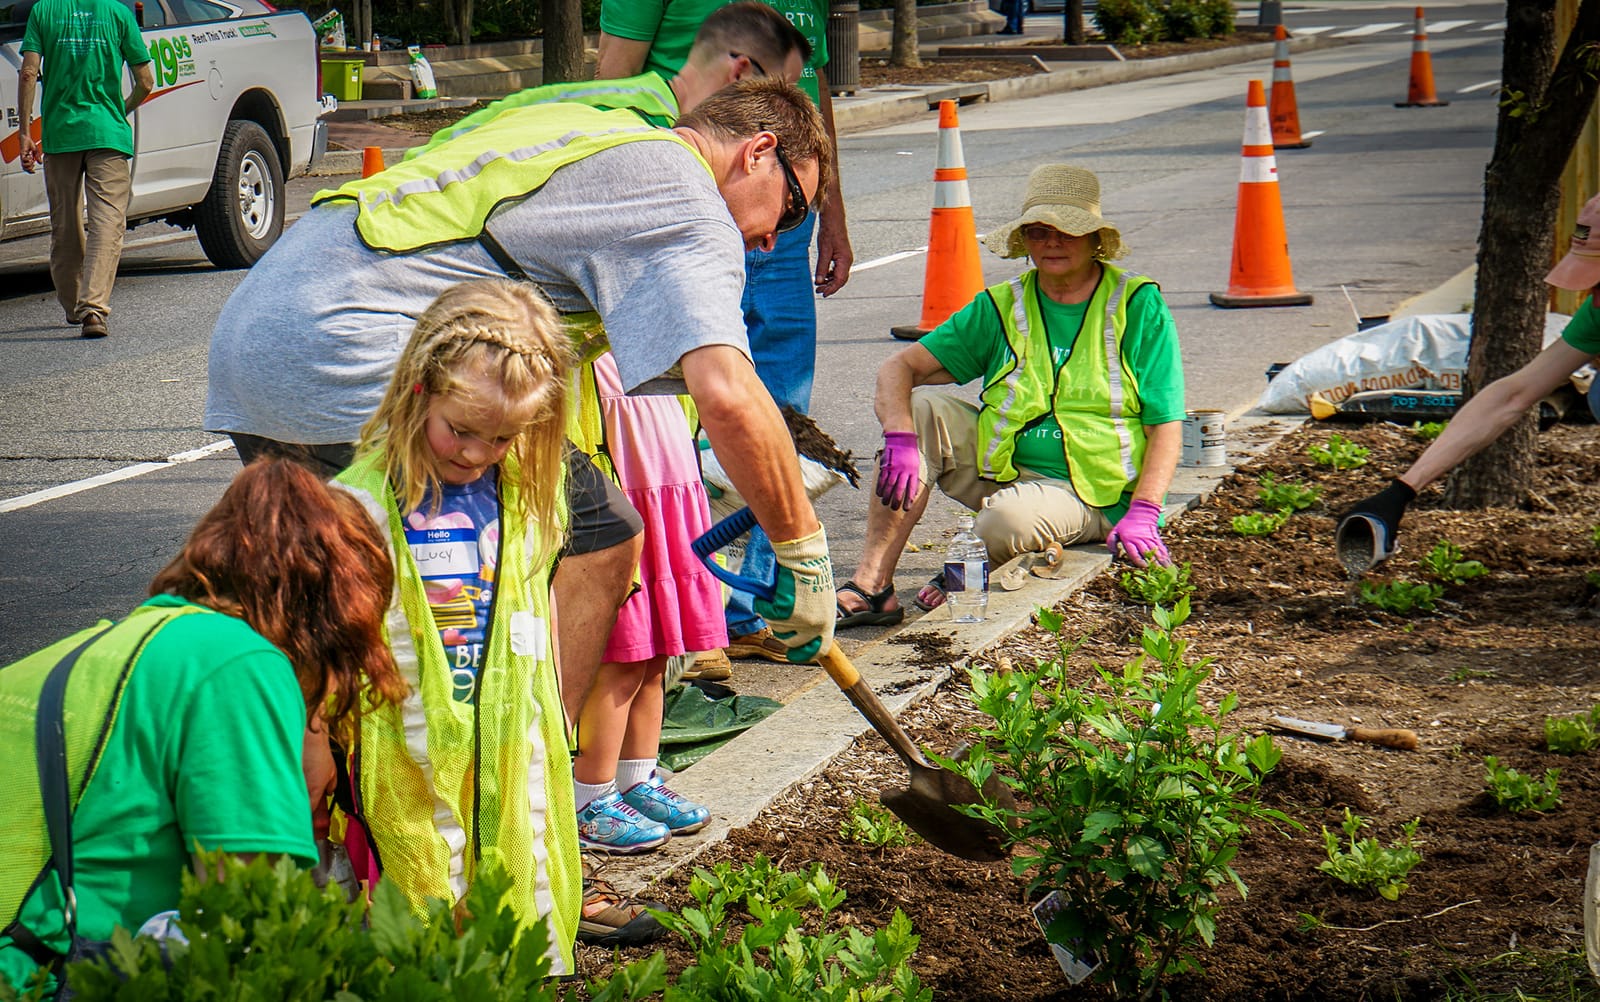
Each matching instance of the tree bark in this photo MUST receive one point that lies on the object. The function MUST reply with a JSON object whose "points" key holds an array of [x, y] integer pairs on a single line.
{"points": [[1544, 104], [563, 40], [903, 50], [1072, 23]]}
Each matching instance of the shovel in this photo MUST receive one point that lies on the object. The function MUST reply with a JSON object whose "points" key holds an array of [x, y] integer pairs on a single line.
{"points": [[1386, 737], [927, 804]]}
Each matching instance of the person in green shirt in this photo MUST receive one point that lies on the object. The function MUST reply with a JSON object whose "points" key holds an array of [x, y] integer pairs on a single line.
{"points": [[81, 46], [1367, 533], [1079, 425], [264, 636]]}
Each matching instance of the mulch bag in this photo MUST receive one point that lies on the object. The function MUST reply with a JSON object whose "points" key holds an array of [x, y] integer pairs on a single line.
{"points": [[1427, 352], [422, 82], [695, 724]]}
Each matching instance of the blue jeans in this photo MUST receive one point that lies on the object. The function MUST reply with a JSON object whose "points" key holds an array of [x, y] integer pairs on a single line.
{"points": [[780, 314], [1015, 11]]}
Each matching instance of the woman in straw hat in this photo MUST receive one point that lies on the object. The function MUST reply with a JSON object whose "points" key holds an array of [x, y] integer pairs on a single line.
{"points": [[1366, 533], [1080, 422]]}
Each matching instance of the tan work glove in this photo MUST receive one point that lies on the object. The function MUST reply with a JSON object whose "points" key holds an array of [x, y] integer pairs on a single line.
{"points": [[801, 613]]}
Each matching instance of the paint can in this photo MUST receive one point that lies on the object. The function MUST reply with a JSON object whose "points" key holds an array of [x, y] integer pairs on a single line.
{"points": [[1205, 439]]}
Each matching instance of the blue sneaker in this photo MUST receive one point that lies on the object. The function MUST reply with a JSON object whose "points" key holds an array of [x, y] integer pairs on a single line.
{"points": [[656, 801], [607, 824]]}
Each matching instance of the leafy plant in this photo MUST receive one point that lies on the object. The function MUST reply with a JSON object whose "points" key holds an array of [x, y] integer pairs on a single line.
{"points": [[1132, 798], [868, 824], [1368, 862], [1128, 22], [1154, 584], [1259, 523], [1445, 562], [773, 955], [1516, 793], [1291, 495], [1427, 430], [1402, 597], [1574, 734], [1340, 453]]}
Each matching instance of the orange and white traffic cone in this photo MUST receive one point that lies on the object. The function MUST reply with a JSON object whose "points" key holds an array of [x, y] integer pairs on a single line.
{"points": [[955, 273], [1261, 274], [1420, 93], [1281, 107], [371, 161]]}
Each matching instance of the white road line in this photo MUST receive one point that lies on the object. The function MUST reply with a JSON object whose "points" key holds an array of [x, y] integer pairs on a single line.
{"points": [[1479, 86], [126, 473], [1315, 30], [1440, 27], [1496, 26], [890, 259], [1314, 134], [1366, 29]]}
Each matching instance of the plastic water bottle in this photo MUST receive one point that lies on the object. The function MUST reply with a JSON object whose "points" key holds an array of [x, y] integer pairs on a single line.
{"points": [[966, 574]]}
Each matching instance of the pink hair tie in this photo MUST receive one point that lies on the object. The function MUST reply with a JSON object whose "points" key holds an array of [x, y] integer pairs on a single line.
{"points": [[416, 388]]}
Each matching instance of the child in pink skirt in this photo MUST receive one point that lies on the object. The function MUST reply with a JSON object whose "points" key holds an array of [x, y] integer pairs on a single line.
{"points": [[623, 806]]}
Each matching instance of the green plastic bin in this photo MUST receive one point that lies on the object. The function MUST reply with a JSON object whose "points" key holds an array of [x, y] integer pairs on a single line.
{"points": [[342, 78]]}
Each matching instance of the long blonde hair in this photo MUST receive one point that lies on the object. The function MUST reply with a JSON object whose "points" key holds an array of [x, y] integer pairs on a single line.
{"points": [[489, 326]]}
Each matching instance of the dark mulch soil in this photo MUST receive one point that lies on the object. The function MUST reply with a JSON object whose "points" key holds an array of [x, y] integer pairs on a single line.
{"points": [[1475, 678]]}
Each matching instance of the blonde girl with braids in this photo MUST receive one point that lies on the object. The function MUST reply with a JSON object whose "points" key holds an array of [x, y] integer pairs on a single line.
{"points": [[463, 465]]}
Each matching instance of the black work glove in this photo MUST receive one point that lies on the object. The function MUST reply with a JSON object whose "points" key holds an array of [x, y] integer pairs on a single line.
{"points": [[1367, 532]]}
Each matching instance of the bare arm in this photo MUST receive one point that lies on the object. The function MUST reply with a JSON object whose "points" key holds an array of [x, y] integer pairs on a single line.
{"points": [[834, 256], [27, 76], [750, 439], [144, 81], [899, 374], [620, 57], [1492, 410], [1163, 445]]}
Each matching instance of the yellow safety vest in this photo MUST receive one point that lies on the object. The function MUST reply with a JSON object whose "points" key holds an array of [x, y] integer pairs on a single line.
{"points": [[433, 808], [1094, 394]]}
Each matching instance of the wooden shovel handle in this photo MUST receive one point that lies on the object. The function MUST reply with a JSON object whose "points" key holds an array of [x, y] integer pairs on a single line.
{"points": [[1387, 737], [860, 694]]}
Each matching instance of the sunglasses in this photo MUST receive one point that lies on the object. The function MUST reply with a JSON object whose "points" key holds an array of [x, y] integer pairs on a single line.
{"points": [[1042, 233], [751, 59], [795, 209]]}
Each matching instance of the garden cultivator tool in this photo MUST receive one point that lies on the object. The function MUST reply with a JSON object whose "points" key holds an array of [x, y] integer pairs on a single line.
{"points": [[927, 804]]}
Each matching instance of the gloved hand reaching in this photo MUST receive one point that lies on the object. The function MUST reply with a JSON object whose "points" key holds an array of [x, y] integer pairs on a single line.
{"points": [[899, 469], [1139, 535], [1367, 532], [801, 613]]}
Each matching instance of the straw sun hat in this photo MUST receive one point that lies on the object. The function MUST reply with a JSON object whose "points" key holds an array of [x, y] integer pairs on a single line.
{"points": [[1065, 197]]}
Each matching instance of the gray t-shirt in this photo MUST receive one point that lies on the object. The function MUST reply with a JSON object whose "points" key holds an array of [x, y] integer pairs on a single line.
{"points": [[306, 345]]}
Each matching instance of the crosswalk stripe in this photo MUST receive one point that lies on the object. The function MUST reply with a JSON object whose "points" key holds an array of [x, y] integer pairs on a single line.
{"points": [[1479, 86], [1440, 27], [1496, 26], [1317, 30], [1366, 29]]}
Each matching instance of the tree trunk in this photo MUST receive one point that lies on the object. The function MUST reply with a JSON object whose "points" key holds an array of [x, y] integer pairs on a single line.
{"points": [[1544, 105], [1072, 23], [903, 51], [563, 40]]}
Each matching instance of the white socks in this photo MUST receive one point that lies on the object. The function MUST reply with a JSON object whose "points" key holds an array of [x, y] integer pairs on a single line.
{"points": [[633, 771], [586, 792]]}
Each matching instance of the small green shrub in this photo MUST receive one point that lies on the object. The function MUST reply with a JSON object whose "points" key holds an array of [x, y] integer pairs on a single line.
{"points": [[1154, 584], [1128, 22], [1182, 20], [1259, 523], [1368, 862], [1340, 453], [1445, 563], [1516, 793], [1427, 431], [1402, 597], [1571, 735], [1291, 495], [868, 824]]}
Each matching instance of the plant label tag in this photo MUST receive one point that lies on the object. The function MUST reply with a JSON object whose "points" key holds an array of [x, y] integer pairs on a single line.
{"points": [[1075, 969]]}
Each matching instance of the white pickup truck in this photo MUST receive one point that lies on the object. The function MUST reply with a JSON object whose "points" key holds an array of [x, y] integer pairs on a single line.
{"points": [[236, 109]]}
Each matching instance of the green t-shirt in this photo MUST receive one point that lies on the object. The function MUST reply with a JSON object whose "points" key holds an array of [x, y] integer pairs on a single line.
{"points": [[1583, 330], [669, 27], [206, 748], [972, 345], [82, 45]]}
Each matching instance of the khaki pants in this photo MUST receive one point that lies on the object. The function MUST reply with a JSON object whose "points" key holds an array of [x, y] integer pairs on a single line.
{"points": [[83, 259], [1020, 517]]}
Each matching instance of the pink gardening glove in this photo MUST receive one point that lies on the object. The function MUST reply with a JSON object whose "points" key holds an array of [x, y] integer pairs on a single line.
{"points": [[1139, 536], [899, 469]]}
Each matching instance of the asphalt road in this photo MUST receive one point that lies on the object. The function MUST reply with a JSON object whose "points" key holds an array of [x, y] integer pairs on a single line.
{"points": [[1384, 205]]}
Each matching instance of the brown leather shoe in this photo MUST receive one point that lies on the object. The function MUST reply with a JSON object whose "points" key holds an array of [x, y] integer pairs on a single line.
{"points": [[761, 644], [610, 918], [94, 325], [709, 666]]}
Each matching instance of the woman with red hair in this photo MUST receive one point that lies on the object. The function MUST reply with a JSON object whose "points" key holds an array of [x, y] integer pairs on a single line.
{"points": [[200, 722]]}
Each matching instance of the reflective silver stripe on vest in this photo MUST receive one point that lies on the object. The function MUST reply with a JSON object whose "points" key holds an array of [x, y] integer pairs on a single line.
{"points": [[442, 180], [1019, 316], [1114, 376]]}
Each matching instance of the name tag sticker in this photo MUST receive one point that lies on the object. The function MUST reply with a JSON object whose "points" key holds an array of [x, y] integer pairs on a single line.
{"points": [[444, 553], [529, 637]]}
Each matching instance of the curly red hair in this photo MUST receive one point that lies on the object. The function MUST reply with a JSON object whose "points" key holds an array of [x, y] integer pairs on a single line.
{"points": [[303, 564]]}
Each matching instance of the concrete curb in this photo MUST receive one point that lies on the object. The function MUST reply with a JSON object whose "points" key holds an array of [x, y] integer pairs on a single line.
{"points": [[880, 106], [743, 778]]}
